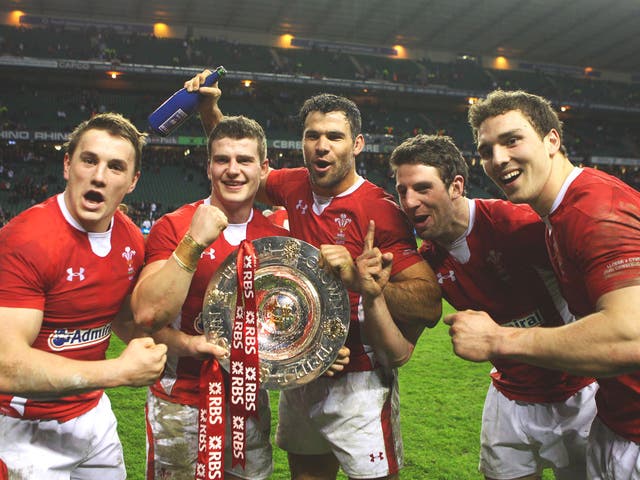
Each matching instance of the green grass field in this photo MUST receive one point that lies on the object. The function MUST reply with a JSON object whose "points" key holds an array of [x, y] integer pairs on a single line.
{"points": [[441, 406]]}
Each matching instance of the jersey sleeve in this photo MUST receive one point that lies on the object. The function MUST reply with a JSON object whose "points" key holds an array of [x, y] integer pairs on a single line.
{"points": [[283, 181], [274, 184], [607, 248], [21, 275], [162, 240]]}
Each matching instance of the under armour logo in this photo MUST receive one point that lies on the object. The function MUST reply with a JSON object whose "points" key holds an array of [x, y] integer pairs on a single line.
{"points": [[211, 253], [373, 457], [71, 274], [449, 276], [302, 207]]}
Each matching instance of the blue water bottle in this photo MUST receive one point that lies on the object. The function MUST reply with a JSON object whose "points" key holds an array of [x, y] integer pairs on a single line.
{"points": [[180, 106]]}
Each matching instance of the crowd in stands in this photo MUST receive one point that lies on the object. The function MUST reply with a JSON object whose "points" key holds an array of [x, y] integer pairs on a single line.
{"points": [[23, 179], [31, 171], [104, 44], [275, 108]]}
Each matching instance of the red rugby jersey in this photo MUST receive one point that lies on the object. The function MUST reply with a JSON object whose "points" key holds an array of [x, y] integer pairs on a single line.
{"points": [[79, 281]]}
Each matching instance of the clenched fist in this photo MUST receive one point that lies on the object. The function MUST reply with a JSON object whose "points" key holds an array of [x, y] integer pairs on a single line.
{"points": [[207, 223], [142, 362]]}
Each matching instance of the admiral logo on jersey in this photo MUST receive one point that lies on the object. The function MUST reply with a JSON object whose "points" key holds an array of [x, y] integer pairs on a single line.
{"points": [[533, 319], [63, 339]]}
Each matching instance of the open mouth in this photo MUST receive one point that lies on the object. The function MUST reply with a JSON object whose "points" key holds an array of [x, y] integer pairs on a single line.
{"points": [[420, 220], [94, 196], [510, 177], [322, 164]]}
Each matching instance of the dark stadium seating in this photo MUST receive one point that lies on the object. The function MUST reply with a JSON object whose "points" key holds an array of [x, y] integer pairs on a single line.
{"points": [[598, 124]]}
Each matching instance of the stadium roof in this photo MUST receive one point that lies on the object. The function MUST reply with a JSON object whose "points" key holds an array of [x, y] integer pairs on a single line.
{"points": [[602, 34]]}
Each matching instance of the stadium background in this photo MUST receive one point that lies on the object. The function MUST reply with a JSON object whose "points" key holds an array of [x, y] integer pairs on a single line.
{"points": [[411, 65]]}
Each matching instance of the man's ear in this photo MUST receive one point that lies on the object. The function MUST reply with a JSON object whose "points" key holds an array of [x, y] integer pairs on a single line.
{"points": [[552, 142], [66, 166], [456, 189], [358, 144], [136, 177]]}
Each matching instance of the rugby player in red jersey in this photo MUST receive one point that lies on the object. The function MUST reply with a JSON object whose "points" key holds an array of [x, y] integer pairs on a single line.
{"points": [[490, 255], [67, 268], [593, 238]]}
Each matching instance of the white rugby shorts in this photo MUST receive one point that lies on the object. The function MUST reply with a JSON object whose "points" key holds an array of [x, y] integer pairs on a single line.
{"points": [[83, 448], [357, 417], [520, 438], [610, 456]]}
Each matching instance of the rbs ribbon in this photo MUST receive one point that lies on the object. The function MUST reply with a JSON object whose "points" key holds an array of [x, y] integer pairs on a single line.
{"points": [[211, 422], [244, 379]]}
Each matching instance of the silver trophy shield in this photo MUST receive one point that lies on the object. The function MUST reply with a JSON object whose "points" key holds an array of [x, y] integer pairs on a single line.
{"points": [[303, 312]]}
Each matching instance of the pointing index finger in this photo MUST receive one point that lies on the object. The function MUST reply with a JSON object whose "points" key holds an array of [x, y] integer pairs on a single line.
{"points": [[368, 239]]}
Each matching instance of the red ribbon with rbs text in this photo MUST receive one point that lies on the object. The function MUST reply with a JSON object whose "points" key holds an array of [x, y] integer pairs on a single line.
{"points": [[244, 375], [211, 422], [244, 371]]}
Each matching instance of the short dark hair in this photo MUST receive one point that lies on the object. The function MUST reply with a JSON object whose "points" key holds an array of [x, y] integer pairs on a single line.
{"points": [[116, 125], [239, 127], [328, 102], [537, 109], [435, 151]]}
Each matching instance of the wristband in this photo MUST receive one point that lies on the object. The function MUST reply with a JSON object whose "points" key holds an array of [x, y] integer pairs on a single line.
{"points": [[181, 264], [187, 253]]}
